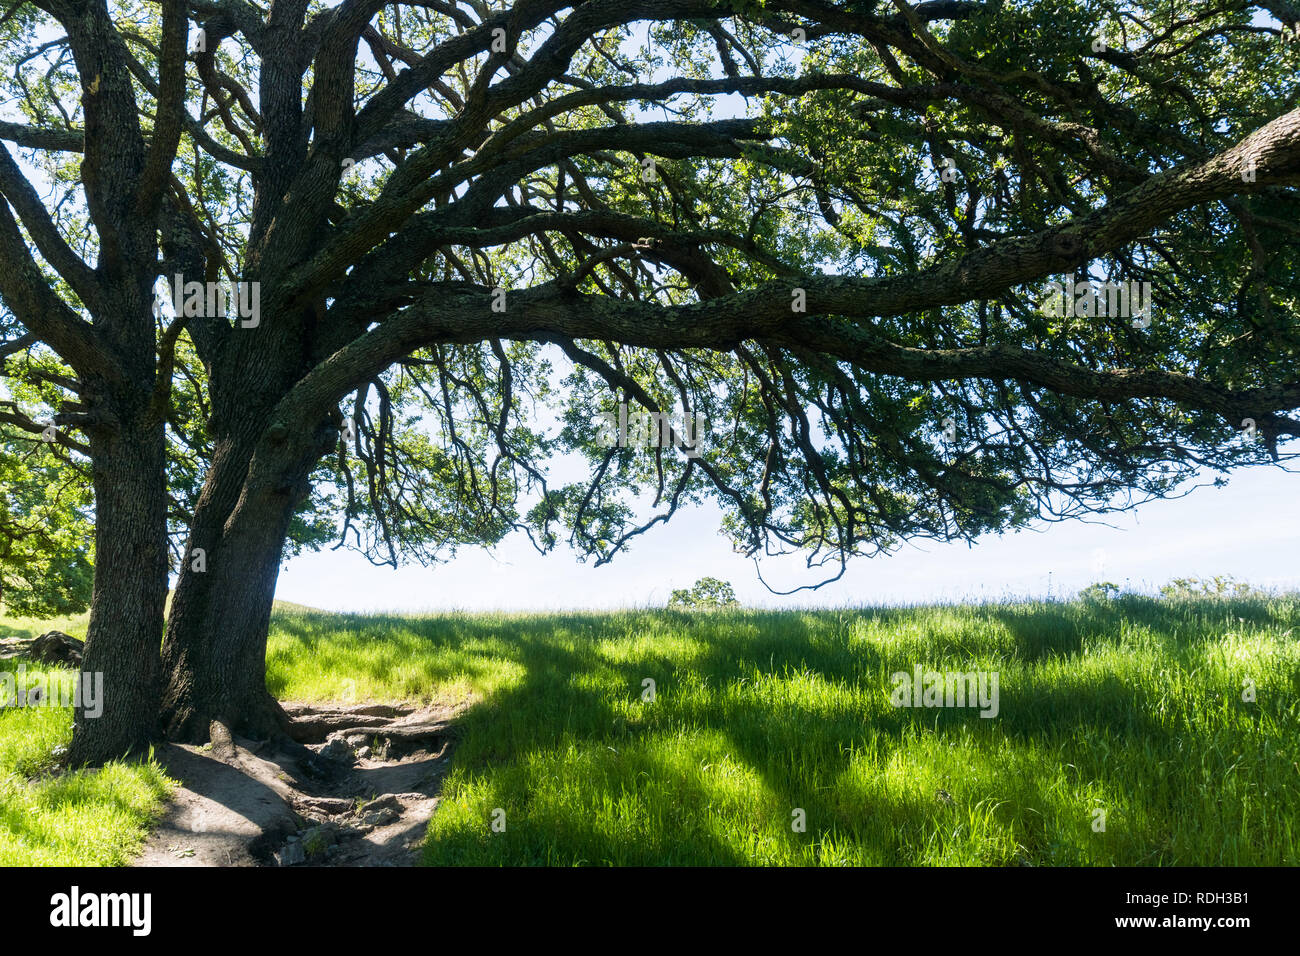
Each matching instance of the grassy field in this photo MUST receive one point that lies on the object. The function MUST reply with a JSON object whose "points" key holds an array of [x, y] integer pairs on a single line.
{"points": [[1132, 707], [97, 818]]}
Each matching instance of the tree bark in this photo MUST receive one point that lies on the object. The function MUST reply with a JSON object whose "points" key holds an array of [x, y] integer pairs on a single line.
{"points": [[215, 648], [214, 654], [130, 592]]}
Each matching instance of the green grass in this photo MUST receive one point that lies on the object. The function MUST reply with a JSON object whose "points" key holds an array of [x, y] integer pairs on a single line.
{"points": [[1133, 707], [88, 818], [30, 627]]}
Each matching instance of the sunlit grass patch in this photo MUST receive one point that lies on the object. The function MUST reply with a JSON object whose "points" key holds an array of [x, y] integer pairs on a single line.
{"points": [[86, 818], [1122, 738]]}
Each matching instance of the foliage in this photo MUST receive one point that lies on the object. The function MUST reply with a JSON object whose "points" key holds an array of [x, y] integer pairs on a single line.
{"points": [[707, 594], [1221, 586], [1099, 591], [46, 531], [923, 394]]}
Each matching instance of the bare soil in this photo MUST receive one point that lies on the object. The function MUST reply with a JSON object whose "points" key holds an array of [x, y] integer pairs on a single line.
{"points": [[356, 790]]}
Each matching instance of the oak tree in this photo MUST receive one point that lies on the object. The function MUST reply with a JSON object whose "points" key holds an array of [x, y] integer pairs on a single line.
{"points": [[290, 267]]}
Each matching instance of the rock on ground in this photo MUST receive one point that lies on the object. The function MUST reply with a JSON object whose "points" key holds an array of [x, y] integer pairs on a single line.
{"points": [[54, 648]]}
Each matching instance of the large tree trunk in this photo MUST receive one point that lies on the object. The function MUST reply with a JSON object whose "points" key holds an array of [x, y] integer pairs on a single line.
{"points": [[214, 655], [215, 650], [130, 591]]}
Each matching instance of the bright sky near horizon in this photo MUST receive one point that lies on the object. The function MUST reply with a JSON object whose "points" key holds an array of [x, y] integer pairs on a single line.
{"points": [[1249, 529]]}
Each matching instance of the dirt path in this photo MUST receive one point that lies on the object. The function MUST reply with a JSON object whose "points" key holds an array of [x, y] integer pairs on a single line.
{"points": [[359, 792]]}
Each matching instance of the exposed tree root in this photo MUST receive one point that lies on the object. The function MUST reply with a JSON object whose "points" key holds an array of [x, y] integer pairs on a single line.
{"points": [[345, 786]]}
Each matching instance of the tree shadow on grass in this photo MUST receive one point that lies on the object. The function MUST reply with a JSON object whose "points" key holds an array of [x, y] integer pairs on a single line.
{"points": [[566, 694]]}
